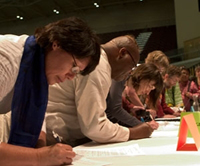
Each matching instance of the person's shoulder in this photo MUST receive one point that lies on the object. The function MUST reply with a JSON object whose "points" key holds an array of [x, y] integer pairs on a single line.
{"points": [[13, 41], [103, 68], [14, 38], [102, 72]]}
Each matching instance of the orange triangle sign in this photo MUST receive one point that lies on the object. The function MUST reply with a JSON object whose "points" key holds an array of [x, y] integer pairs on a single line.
{"points": [[188, 123]]}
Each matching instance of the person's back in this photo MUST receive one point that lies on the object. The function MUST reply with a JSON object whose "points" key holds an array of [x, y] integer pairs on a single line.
{"points": [[11, 50], [10, 54]]}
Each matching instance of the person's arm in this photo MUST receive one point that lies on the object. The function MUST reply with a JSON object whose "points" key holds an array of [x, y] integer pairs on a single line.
{"points": [[166, 109], [152, 113], [114, 106], [91, 105], [90, 99], [11, 49], [133, 97], [41, 140], [42, 137], [47, 156], [169, 113], [143, 130], [159, 110], [92, 118]]}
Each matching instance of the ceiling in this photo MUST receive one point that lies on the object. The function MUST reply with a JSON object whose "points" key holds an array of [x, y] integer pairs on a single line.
{"points": [[31, 9]]}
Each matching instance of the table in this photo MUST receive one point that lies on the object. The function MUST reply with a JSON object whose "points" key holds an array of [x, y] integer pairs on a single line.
{"points": [[159, 150]]}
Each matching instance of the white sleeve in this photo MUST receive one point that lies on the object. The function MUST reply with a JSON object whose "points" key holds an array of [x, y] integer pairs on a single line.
{"points": [[76, 109], [44, 126], [91, 106], [11, 49], [5, 120]]}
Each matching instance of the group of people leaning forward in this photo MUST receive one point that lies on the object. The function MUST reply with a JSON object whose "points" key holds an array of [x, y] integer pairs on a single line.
{"points": [[61, 81]]}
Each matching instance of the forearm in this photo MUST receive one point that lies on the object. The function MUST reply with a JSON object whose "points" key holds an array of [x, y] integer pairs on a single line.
{"points": [[47, 156], [115, 108], [91, 106], [16, 155], [140, 131], [168, 110], [123, 116], [41, 140], [104, 131]]}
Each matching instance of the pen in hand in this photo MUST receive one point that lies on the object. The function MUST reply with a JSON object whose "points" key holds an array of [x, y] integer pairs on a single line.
{"points": [[142, 119], [151, 117], [58, 138]]}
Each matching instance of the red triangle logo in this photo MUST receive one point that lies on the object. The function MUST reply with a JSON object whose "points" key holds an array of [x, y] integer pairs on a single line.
{"points": [[188, 123]]}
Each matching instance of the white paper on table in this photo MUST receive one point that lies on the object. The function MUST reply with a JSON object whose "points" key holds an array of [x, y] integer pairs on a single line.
{"points": [[129, 150], [168, 119], [168, 126], [87, 162]]}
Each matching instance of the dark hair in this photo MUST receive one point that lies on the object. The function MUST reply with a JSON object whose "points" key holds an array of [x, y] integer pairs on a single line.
{"points": [[75, 37], [174, 71], [184, 68], [149, 72]]}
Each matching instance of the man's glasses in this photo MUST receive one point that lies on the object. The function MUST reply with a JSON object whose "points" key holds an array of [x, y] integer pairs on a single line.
{"points": [[75, 68], [134, 64]]}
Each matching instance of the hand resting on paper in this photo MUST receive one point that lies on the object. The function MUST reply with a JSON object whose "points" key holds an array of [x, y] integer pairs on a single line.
{"points": [[142, 130], [153, 124], [58, 154]]}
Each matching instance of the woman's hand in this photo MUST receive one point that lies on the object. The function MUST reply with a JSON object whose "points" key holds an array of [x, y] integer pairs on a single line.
{"points": [[153, 124], [58, 154]]}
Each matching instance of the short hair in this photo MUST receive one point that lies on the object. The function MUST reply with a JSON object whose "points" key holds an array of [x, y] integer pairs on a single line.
{"points": [[184, 68], [132, 39], [130, 43], [174, 71], [75, 37], [158, 57], [129, 38]]}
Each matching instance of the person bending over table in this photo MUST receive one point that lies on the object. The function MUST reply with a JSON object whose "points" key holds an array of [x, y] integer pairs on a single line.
{"points": [[145, 80], [169, 79], [136, 102], [56, 52], [76, 109]]}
